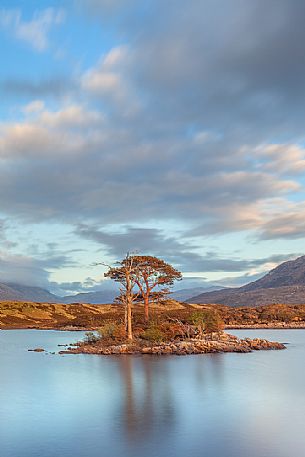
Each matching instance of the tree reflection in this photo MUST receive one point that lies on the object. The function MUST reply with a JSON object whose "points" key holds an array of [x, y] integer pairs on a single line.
{"points": [[147, 404]]}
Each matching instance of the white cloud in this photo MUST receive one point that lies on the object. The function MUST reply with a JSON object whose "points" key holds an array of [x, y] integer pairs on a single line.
{"points": [[107, 77], [282, 158], [43, 133], [110, 80], [70, 116], [34, 107], [283, 220], [35, 31]]}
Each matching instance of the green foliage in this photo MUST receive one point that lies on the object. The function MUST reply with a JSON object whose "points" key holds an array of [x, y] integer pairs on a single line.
{"points": [[207, 320], [112, 330], [153, 333], [213, 321], [91, 338], [197, 318]]}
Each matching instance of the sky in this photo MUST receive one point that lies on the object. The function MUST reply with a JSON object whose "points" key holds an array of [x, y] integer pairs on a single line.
{"points": [[166, 128]]}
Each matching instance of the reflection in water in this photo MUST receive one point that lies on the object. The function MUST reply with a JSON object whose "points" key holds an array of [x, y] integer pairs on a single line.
{"points": [[231, 405], [147, 399], [210, 370]]}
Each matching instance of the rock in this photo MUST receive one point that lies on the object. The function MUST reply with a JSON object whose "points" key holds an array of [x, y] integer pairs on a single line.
{"points": [[36, 350]]}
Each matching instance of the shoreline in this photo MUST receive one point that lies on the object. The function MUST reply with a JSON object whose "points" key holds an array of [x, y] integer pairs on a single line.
{"points": [[273, 326], [70, 328], [219, 343]]}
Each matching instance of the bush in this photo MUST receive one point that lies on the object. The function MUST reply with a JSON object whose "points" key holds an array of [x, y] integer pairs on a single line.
{"points": [[112, 330], [207, 321], [91, 338], [174, 330], [153, 334], [213, 322], [197, 319]]}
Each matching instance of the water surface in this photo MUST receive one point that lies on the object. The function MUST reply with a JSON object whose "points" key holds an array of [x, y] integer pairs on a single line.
{"points": [[241, 405]]}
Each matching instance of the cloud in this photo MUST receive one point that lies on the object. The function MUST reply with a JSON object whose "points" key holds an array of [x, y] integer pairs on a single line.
{"points": [[287, 159], [34, 107], [5, 242], [108, 172], [211, 66], [180, 252], [86, 286], [106, 9], [73, 116], [44, 87], [110, 81], [26, 270], [160, 164], [45, 133], [34, 32], [194, 121], [286, 222]]}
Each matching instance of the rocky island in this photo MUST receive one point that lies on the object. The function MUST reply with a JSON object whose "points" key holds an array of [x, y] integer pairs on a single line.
{"points": [[215, 343]]}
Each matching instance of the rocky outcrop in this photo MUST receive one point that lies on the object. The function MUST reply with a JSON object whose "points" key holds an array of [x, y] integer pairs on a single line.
{"points": [[223, 343]]}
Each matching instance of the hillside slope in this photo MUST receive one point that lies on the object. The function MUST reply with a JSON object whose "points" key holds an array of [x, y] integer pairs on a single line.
{"points": [[17, 292], [85, 316], [283, 284]]}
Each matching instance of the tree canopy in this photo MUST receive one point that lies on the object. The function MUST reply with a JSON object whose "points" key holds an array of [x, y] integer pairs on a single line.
{"points": [[153, 276], [143, 278]]}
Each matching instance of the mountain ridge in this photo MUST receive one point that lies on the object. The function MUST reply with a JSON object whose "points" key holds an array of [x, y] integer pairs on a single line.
{"points": [[283, 284]]}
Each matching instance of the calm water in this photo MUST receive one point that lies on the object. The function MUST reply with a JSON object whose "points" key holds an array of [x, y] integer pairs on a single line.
{"points": [[241, 405]]}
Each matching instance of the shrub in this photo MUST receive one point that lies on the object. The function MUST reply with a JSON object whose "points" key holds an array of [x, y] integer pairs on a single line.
{"points": [[112, 330], [174, 330], [197, 319], [91, 338], [207, 321], [213, 322], [153, 334]]}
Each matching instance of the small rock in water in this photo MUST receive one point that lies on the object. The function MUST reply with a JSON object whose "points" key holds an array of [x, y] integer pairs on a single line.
{"points": [[36, 350]]}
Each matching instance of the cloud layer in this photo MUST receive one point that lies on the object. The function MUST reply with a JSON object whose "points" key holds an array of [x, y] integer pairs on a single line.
{"points": [[35, 31], [191, 118]]}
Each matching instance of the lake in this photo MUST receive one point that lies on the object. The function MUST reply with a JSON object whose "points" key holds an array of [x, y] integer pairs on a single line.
{"points": [[241, 405]]}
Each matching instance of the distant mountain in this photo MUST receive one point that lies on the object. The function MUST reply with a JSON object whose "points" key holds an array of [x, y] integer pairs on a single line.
{"points": [[290, 273], [283, 284], [18, 292], [108, 296], [185, 294], [94, 298]]}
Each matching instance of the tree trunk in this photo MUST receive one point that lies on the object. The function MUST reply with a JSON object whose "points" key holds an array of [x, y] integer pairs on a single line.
{"points": [[129, 307], [129, 319], [146, 308]]}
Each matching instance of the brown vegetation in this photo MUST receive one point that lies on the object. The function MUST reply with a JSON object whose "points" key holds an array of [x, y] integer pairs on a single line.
{"points": [[84, 316]]}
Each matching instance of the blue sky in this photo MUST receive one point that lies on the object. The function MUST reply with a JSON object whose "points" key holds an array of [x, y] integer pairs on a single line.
{"points": [[172, 128]]}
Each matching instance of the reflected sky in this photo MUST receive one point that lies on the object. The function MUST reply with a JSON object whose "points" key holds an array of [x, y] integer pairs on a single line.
{"points": [[211, 405]]}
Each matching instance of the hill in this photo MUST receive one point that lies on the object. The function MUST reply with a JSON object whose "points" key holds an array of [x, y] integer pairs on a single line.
{"points": [[18, 292], [184, 294], [95, 298], [86, 316], [283, 284]]}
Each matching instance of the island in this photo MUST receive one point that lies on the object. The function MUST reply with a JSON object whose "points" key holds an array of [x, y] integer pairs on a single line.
{"points": [[220, 342], [198, 331]]}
